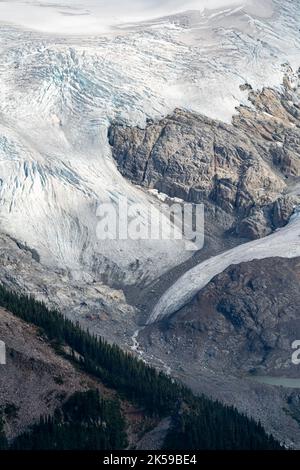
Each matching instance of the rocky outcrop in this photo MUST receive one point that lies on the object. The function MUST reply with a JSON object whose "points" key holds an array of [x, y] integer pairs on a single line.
{"points": [[244, 320], [245, 170], [282, 210]]}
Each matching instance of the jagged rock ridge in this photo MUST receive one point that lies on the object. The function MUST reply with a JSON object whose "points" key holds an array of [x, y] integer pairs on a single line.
{"points": [[245, 173]]}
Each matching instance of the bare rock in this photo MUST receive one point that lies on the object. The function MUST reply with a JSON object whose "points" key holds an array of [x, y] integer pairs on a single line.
{"points": [[282, 210], [239, 168]]}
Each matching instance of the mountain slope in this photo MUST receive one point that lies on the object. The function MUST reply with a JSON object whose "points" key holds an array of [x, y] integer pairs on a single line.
{"points": [[246, 175], [59, 95], [236, 330], [158, 395]]}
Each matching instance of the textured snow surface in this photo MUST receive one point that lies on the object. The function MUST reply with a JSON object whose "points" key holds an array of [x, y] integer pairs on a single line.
{"points": [[95, 16], [283, 243], [58, 94]]}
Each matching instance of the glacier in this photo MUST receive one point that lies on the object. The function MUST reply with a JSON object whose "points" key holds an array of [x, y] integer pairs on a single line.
{"points": [[60, 89], [284, 243]]}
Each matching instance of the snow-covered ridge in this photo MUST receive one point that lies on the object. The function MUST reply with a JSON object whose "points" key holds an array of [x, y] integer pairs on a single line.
{"points": [[98, 16], [58, 95], [284, 243]]}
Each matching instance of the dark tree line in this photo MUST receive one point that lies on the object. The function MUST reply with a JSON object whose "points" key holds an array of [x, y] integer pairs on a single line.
{"points": [[3, 440], [213, 426], [85, 422], [116, 369], [198, 423]]}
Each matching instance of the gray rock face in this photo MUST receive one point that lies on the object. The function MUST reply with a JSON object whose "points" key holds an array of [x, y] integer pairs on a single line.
{"points": [[245, 319], [243, 169], [94, 304], [282, 209]]}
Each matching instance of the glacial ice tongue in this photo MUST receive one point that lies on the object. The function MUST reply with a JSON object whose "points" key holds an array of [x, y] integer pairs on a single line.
{"points": [[284, 243], [56, 103]]}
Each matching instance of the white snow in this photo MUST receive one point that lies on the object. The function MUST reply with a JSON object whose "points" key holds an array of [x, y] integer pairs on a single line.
{"points": [[56, 104], [87, 17], [58, 94], [284, 243]]}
